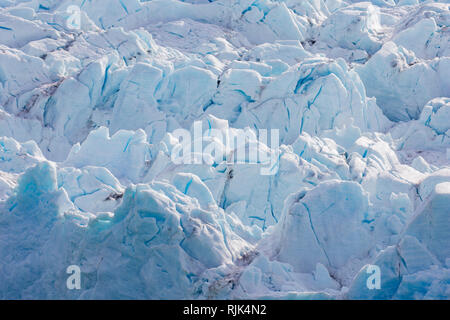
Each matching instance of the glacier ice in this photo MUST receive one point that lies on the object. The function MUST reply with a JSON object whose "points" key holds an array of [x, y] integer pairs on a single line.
{"points": [[90, 110]]}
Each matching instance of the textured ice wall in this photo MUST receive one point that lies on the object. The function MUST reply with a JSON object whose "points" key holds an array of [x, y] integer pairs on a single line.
{"points": [[90, 104]]}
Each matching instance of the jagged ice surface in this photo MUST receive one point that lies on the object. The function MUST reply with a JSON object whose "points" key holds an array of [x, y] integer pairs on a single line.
{"points": [[360, 94]]}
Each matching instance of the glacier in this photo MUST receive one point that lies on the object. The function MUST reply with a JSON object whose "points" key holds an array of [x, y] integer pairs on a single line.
{"points": [[93, 93]]}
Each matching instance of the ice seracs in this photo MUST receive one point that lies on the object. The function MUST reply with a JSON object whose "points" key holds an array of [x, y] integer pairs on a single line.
{"points": [[89, 121]]}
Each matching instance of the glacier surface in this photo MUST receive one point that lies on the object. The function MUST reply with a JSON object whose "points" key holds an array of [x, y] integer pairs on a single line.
{"points": [[93, 93]]}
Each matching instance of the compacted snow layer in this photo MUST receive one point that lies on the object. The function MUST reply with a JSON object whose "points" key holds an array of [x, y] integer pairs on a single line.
{"points": [[94, 93]]}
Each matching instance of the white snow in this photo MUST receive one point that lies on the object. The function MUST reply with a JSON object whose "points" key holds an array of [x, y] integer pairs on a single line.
{"points": [[358, 91]]}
